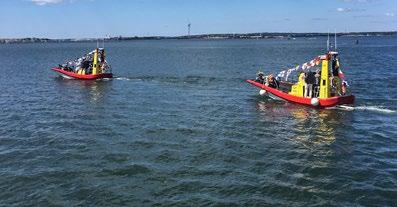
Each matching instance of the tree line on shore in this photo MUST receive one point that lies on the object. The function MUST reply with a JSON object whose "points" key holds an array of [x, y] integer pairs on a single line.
{"points": [[260, 35]]}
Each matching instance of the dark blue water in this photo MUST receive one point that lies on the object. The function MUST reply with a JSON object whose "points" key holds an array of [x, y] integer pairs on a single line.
{"points": [[180, 127]]}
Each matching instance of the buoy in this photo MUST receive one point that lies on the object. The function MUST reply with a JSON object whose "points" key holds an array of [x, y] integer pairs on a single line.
{"points": [[314, 101], [262, 92]]}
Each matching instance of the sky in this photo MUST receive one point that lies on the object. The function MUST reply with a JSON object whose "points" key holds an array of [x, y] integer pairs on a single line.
{"points": [[100, 18]]}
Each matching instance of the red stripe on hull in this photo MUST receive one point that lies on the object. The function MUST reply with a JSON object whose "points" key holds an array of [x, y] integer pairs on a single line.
{"points": [[83, 77], [323, 102]]}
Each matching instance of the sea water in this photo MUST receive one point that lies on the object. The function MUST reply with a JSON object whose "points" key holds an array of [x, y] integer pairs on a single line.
{"points": [[179, 126]]}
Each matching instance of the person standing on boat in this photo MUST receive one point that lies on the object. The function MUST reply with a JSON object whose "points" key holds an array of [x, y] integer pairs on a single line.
{"points": [[102, 56], [310, 80], [335, 79], [317, 83], [85, 65]]}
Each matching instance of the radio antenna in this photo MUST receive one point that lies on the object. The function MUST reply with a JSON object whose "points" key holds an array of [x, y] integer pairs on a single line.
{"points": [[328, 41], [336, 46]]}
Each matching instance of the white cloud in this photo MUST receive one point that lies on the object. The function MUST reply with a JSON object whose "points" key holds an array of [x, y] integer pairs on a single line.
{"points": [[343, 9], [44, 2], [390, 14]]}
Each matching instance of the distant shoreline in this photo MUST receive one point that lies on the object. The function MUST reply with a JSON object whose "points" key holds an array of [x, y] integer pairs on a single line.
{"points": [[263, 35]]}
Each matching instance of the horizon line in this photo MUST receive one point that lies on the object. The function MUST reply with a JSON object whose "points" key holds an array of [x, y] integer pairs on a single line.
{"points": [[203, 35]]}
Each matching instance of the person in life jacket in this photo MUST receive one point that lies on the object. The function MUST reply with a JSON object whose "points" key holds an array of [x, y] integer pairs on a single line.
{"points": [[344, 87], [260, 77], [272, 82], [317, 77]]}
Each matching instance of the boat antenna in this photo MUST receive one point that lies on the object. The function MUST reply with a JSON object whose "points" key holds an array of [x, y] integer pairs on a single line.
{"points": [[336, 46], [328, 41], [97, 43]]}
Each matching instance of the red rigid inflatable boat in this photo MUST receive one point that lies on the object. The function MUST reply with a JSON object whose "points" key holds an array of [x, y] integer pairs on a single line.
{"points": [[322, 102], [73, 75], [91, 66], [324, 88]]}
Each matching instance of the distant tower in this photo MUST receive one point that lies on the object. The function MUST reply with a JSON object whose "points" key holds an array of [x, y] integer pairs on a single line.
{"points": [[189, 25]]}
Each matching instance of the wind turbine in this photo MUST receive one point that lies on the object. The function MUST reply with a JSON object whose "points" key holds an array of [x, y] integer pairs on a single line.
{"points": [[189, 25]]}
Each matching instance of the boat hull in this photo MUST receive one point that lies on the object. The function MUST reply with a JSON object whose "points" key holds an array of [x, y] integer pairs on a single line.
{"points": [[322, 102], [72, 75]]}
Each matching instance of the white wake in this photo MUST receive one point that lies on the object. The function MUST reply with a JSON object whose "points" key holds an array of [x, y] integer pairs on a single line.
{"points": [[378, 109]]}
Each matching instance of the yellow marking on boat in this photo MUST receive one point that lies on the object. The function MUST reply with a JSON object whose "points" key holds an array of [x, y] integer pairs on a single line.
{"points": [[324, 82], [95, 63], [297, 89]]}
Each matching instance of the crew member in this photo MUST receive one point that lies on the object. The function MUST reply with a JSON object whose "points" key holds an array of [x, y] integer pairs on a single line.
{"points": [[273, 83], [335, 80], [310, 79], [260, 77]]}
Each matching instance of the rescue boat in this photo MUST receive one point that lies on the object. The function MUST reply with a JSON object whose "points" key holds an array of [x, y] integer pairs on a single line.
{"points": [[329, 90], [92, 66]]}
